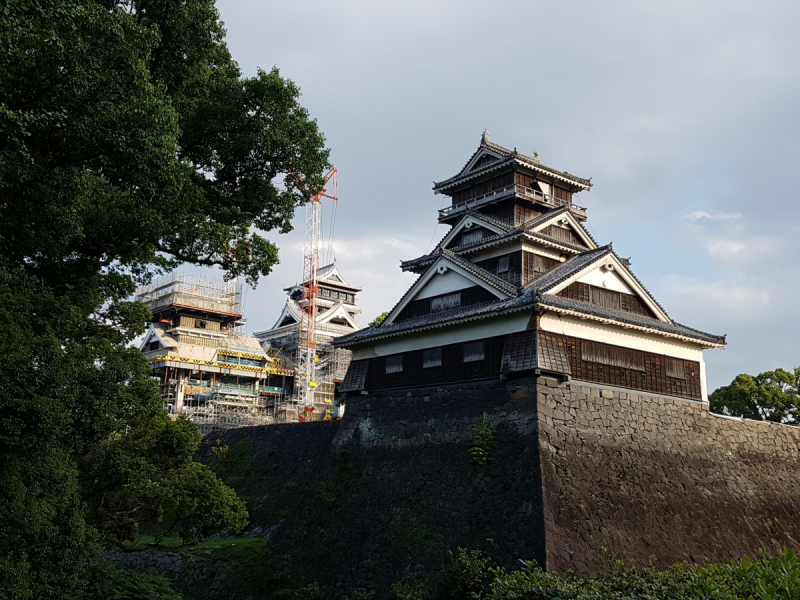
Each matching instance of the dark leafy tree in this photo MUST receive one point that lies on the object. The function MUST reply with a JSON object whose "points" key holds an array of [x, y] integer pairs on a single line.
{"points": [[770, 396], [130, 143], [379, 319]]}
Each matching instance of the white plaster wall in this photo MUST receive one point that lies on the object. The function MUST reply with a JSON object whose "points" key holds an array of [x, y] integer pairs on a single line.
{"points": [[444, 284], [609, 280], [493, 251], [433, 338], [542, 250], [629, 338]]}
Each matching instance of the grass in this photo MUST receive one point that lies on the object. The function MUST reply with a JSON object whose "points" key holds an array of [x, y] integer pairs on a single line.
{"points": [[220, 548]]}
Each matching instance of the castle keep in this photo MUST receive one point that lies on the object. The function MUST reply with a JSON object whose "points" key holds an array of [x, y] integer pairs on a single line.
{"points": [[519, 286]]}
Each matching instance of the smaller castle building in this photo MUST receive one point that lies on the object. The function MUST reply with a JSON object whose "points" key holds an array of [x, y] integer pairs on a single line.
{"points": [[336, 316], [208, 368]]}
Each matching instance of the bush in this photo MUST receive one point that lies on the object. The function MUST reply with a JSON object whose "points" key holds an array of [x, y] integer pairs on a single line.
{"points": [[483, 443], [468, 573], [765, 578], [107, 582]]}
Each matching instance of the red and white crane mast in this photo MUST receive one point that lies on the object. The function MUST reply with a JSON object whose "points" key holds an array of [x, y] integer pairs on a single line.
{"points": [[306, 380]]}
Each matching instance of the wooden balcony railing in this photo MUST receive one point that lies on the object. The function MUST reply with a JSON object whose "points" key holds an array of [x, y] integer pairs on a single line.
{"points": [[510, 190]]}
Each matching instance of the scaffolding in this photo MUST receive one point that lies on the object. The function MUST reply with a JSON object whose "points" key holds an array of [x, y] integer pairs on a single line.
{"points": [[209, 370], [330, 368], [182, 290]]}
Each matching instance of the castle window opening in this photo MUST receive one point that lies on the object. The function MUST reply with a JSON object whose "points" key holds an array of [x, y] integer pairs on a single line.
{"points": [[446, 302], [676, 368], [394, 364], [502, 264], [432, 358], [473, 351]]}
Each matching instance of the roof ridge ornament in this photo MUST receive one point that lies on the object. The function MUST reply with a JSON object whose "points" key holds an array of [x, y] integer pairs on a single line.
{"points": [[536, 158], [485, 136]]}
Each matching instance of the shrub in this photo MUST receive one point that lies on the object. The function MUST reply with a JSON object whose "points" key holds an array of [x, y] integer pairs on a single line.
{"points": [[483, 443], [467, 574], [765, 578], [107, 582]]}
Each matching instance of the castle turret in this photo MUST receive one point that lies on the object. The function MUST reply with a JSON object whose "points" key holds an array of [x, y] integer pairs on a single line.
{"points": [[336, 316]]}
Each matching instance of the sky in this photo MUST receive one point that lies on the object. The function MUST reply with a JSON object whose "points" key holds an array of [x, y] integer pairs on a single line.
{"points": [[684, 114]]}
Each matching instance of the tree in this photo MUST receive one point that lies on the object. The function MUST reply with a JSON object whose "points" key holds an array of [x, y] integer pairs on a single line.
{"points": [[131, 143], [770, 396], [379, 319]]}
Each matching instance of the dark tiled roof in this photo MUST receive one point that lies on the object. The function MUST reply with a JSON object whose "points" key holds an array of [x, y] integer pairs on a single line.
{"points": [[438, 319], [491, 220], [482, 274], [536, 292], [567, 269], [626, 317], [509, 156]]}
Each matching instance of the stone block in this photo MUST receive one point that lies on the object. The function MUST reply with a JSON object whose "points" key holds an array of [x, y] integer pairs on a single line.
{"points": [[520, 393]]}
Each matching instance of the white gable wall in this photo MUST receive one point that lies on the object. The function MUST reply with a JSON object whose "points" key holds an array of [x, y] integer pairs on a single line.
{"points": [[606, 279], [444, 284]]}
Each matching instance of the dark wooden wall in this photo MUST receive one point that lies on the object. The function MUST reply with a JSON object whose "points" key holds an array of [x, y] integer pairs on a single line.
{"points": [[593, 295], [452, 370], [653, 379], [469, 296]]}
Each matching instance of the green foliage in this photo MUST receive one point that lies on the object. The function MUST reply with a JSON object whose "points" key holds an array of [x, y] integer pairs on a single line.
{"points": [[483, 443], [413, 535], [131, 143], [106, 582], [410, 590], [468, 573], [379, 319], [770, 396], [148, 475], [232, 467], [361, 594], [765, 578]]}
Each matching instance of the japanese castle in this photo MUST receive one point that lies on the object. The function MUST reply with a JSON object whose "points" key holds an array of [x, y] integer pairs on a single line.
{"points": [[519, 286]]}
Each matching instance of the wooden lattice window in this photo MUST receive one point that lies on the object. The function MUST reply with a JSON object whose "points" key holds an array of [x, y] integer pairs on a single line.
{"points": [[561, 233], [470, 237], [446, 302], [502, 264], [676, 368], [394, 364], [614, 356], [605, 298], [473, 351], [432, 358]]}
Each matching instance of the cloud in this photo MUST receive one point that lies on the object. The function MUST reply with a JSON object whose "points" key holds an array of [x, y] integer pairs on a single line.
{"points": [[727, 298], [701, 214], [743, 249]]}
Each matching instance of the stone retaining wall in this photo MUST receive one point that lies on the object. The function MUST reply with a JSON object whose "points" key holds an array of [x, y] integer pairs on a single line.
{"points": [[385, 494], [648, 476]]}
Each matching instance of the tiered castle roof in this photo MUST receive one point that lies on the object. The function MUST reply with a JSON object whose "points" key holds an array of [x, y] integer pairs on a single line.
{"points": [[517, 242]]}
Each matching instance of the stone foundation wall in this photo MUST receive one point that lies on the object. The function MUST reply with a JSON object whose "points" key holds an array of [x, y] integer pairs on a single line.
{"points": [[385, 494], [648, 476], [413, 493]]}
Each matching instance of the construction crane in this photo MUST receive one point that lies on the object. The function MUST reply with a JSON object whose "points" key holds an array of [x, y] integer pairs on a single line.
{"points": [[307, 364]]}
